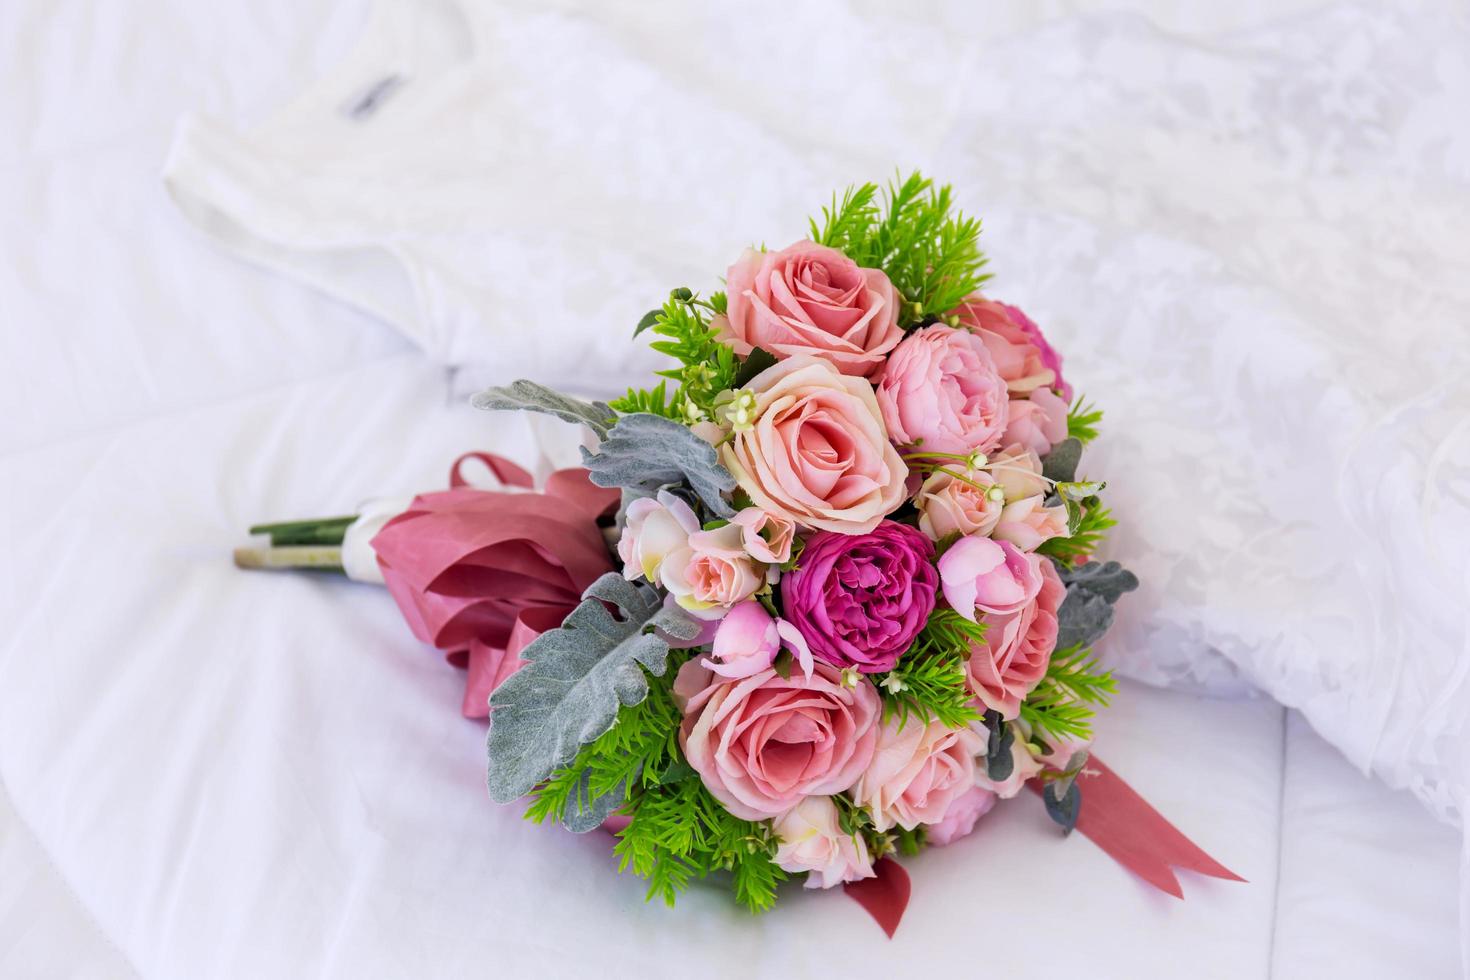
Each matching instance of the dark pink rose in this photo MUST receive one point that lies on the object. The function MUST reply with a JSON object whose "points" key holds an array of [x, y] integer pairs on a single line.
{"points": [[860, 599]]}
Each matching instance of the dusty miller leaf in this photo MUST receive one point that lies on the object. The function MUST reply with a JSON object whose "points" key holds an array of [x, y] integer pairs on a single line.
{"points": [[1105, 578], [575, 679], [1061, 463], [585, 812], [528, 396], [1063, 804], [1087, 611], [644, 452]]}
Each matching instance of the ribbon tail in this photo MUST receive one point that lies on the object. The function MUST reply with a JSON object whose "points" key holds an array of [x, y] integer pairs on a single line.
{"points": [[885, 896], [1133, 833]]}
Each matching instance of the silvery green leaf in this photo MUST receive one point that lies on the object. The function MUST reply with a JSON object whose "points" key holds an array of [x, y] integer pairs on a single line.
{"points": [[585, 812], [1063, 805], [1073, 770], [999, 762], [645, 452], [1082, 619], [1107, 579], [528, 396], [575, 679], [1061, 463]]}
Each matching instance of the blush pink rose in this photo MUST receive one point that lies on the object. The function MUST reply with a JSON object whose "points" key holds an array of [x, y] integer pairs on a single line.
{"points": [[916, 772], [950, 506], [1021, 352], [1027, 523], [653, 529], [1018, 471], [767, 538], [817, 453], [711, 572], [941, 392], [980, 575], [959, 820], [809, 837], [811, 299], [1037, 423], [1012, 658], [763, 743]]}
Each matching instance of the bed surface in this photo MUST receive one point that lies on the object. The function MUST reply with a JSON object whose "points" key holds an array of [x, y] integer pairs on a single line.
{"points": [[205, 772]]}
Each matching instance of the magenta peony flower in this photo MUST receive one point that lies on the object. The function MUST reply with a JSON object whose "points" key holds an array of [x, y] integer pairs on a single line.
{"points": [[860, 599]]}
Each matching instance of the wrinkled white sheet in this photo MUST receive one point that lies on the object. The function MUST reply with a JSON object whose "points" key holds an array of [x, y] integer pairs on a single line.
{"points": [[212, 774]]}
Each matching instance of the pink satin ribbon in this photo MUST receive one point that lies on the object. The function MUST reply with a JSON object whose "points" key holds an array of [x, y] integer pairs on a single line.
{"points": [[479, 573], [1118, 820]]}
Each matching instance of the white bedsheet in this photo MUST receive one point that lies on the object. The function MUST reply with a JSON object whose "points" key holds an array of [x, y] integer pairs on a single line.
{"points": [[205, 773]]}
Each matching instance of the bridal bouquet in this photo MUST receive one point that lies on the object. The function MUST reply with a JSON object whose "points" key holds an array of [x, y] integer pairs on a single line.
{"points": [[822, 596]]}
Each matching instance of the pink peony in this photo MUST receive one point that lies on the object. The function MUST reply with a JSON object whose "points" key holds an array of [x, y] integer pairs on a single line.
{"points": [[748, 639], [809, 838], [959, 820], [767, 538], [817, 453], [763, 743], [941, 392], [1038, 423], [981, 575], [1013, 657], [860, 599], [916, 772], [653, 529], [711, 572], [951, 506], [811, 299], [1021, 353], [1026, 524]]}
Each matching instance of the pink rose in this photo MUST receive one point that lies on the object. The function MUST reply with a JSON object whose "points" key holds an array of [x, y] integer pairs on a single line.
{"points": [[809, 838], [982, 575], [916, 772], [653, 529], [1021, 353], [1018, 471], [767, 538], [950, 506], [711, 572], [1012, 659], [811, 299], [941, 392], [763, 743], [1038, 423], [748, 639], [1025, 523], [959, 820], [817, 453], [1023, 767]]}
